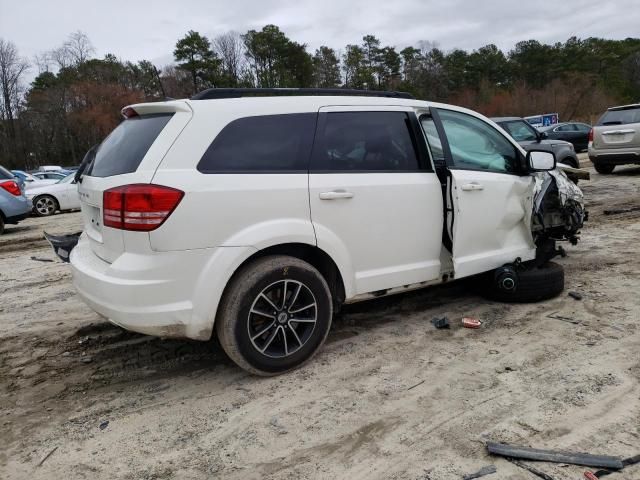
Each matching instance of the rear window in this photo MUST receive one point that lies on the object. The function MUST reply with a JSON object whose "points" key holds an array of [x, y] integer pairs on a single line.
{"points": [[267, 143], [6, 174], [125, 147], [620, 117]]}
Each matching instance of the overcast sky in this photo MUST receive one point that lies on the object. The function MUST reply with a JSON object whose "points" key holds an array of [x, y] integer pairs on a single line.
{"points": [[145, 29]]}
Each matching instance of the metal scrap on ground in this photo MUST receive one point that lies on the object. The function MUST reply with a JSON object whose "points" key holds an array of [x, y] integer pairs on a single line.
{"points": [[556, 456], [488, 470]]}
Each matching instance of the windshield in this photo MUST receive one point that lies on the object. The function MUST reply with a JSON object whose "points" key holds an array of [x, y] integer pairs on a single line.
{"points": [[66, 179], [620, 117], [520, 130]]}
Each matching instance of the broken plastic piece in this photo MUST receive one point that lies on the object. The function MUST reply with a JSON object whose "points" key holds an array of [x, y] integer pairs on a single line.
{"points": [[470, 322], [590, 476], [575, 295], [440, 322]]}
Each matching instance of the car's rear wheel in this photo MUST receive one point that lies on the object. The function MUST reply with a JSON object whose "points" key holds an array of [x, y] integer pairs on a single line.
{"points": [[275, 315], [1, 225], [530, 284], [604, 169], [45, 205]]}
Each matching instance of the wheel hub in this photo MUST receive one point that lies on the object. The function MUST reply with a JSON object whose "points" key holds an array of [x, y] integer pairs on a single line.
{"points": [[282, 318]]}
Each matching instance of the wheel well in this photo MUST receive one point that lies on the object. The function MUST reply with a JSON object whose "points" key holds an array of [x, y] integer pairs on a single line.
{"points": [[572, 162], [312, 255], [55, 199]]}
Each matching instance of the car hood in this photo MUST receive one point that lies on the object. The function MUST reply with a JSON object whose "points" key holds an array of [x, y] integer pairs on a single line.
{"points": [[544, 144]]}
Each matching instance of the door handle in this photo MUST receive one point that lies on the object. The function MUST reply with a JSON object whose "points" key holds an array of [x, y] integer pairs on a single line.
{"points": [[335, 195], [470, 187]]}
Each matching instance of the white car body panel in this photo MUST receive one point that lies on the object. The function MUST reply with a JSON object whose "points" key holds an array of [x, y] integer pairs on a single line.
{"points": [[387, 237], [65, 193], [33, 184], [491, 222], [382, 212]]}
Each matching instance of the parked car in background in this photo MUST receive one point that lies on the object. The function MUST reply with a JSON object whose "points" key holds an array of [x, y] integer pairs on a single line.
{"points": [[29, 181], [531, 139], [573, 132], [615, 138], [14, 206], [62, 195], [56, 176], [50, 168], [259, 216]]}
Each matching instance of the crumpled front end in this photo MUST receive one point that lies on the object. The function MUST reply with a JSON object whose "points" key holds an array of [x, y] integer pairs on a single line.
{"points": [[558, 212]]}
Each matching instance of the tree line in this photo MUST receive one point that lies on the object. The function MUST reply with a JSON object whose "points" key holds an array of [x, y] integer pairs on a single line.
{"points": [[75, 99]]}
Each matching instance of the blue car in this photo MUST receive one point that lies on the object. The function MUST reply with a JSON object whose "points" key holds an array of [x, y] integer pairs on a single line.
{"points": [[14, 206]]}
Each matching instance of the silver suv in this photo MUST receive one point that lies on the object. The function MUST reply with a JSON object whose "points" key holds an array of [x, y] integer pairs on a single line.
{"points": [[615, 139]]}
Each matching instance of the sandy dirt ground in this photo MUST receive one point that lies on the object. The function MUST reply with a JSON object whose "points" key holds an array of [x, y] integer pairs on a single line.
{"points": [[389, 397]]}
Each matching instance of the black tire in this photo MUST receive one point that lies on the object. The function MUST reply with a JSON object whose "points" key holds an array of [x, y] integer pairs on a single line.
{"points": [[1, 224], [604, 169], [238, 326], [533, 284], [45, 205]]}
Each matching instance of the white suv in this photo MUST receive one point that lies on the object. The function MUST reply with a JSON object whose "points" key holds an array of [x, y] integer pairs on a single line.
{"points": [[260, 215]]}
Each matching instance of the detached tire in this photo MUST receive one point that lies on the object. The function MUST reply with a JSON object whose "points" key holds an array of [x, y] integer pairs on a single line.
{"points": [[274, 315], [533, 285]]}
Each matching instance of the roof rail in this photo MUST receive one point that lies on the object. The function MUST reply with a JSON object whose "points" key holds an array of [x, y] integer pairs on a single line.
{"points": [[218, 93]]}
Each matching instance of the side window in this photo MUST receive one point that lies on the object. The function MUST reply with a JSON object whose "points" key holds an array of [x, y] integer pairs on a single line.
{"points": [[365, 141], [267, 143], [433, 139], [565, 128], [475, 145]]}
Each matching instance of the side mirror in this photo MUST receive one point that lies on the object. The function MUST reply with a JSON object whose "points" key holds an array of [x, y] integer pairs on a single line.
{"points": [[540, 161], [543, 135]]}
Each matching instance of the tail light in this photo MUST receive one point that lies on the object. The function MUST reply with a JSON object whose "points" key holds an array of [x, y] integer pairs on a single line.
{"points": [[139, 207], [12, 187], [591, 136]]}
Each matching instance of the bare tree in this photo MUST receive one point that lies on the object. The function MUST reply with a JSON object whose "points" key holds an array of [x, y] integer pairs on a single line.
{"points": [[79, 47], [42, 61], [61, 57], [229, 47], [12, 69]]}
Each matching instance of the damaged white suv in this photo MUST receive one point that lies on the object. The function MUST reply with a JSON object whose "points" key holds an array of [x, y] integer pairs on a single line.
{"points": [[257, 213]]}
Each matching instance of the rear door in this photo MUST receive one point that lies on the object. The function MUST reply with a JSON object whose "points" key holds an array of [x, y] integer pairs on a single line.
{"points": [[489, 194], [618, 129], [130, 154], [376, 203]]}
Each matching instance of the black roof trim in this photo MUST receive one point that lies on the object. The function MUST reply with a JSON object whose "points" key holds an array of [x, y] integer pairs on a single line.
{"points": [[218, 93]]}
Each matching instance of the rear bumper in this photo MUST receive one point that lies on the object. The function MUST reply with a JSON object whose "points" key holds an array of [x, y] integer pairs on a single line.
{"points": [[15, 208], [146, 293], [614, 156]]}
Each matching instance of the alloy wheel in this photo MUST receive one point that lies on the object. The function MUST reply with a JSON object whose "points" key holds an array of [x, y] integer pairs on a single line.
{"points": [[282, 318], [45, 206]]}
